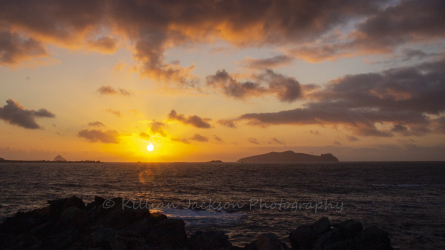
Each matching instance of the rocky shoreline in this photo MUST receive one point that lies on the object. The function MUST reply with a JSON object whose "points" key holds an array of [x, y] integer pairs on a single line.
{"points": [[70, 224]]}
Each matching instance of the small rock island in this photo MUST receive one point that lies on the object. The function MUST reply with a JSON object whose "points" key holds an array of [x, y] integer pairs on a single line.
{"points": [[59, 158], [288, 156]]}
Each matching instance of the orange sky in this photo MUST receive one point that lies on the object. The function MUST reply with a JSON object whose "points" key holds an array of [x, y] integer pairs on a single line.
{"points": [[206, 80]]}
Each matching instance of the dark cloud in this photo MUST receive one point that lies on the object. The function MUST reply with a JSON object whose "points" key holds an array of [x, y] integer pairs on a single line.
{"points": [[253, 140], [267, 63], [382, 32], [233, 88], [183, 140], [200, 138], [193, 120], [16, 114], [114, 112], [158, 128], [108, 90], [154, 26], [402, 97], [94, 135], [15, 48], [227, 123], [287, 89], [96, 124], [144, 136]]}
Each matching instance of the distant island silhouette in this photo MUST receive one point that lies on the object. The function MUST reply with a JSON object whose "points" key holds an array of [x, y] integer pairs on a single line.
{"points": [[59, 158], [288, 156], [215, 161]]}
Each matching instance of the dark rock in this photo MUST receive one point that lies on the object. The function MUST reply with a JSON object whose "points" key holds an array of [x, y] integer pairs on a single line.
{"points": [[99, 238], [74, 217], [121, 242], [305, 236], [351, 228], [119, 218], [302, 238], [24, 221], [328, 239], [321, 226], [341, 245], [267, 242], [59, 241], [56, 208], [74, 201], [373, 238], [209, 240], [169, 233]]}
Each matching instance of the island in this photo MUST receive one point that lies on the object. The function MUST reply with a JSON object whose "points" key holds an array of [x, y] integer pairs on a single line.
{"points": [[288, 156], [59, 158], [215, 161]]}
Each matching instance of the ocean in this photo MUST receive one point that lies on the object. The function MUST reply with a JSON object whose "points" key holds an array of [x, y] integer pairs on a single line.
{"points": [[406, 199]]}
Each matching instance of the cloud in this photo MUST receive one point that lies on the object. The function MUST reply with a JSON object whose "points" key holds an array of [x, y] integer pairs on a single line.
{"points": [[253, 140], [108, 90], [183, 140], [267, 63], [114, 112], [402, 97], [152, 27], [227, 123], [144, 136], [105, 45], [96, 124], [314, 132], [158, 128], [381, 32], [218, 139], [193, 120], [407, 55], [15, 49], [286, 89], [200, 138], [275, 140], [15, 114], [439, 124], [94, 135], [352, 138]]}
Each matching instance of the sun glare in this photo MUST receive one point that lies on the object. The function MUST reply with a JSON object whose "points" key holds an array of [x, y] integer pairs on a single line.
{"points": [[150, 147]]}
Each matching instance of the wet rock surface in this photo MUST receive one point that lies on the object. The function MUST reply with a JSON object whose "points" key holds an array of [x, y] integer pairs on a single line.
{"points": [[112, 224]]}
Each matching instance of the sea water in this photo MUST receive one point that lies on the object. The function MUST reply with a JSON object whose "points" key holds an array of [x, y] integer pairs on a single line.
{"points": [[406, 199]]}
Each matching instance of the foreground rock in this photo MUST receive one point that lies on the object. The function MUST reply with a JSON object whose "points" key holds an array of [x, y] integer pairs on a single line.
{"points": [[348, 235], [112, 224]]}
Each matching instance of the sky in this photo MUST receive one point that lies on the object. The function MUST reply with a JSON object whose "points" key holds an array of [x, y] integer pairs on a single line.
{"points": [[209, 80]]}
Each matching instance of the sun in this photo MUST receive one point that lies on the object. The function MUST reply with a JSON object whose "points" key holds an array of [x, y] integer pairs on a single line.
{"points": [[150, 147]]}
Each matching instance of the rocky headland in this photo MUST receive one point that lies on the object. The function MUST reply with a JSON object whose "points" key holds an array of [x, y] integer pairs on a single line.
{"points": [[288, 156], [70, 224]]}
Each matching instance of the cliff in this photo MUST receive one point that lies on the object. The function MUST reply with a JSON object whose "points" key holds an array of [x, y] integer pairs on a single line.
{"points": [[289, 156]]}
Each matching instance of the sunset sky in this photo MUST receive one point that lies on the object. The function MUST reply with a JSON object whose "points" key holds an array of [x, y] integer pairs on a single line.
{"points": [[221, 80]]}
